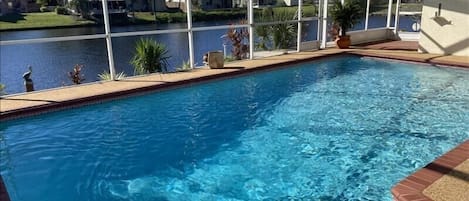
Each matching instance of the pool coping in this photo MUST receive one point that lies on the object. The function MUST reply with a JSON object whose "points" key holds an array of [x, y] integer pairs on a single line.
{"points": [[411, 188], [430, 59]]}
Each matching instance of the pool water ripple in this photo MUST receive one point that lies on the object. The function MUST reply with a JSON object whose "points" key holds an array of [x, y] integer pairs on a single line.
{"points": [[347, 128]]}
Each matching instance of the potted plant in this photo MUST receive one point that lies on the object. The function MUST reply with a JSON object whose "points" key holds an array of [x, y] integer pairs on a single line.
{"points": [[344, 16]]}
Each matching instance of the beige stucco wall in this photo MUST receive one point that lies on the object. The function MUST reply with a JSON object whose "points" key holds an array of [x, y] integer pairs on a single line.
{"points": [[370, 35], [447, 34]]}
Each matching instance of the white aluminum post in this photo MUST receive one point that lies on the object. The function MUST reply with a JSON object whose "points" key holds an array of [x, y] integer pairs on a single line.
{"points": [[396, 21], [388, 23], [324, 24], [300, 6], [251, 29], [318, 31], [367, 13], [107, 31], [190, 34]]}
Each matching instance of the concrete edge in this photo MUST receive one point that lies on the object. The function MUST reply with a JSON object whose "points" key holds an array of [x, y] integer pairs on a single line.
{"points": [[430, 61]]}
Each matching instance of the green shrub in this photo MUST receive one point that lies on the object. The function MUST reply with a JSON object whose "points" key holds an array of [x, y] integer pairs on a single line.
{"points": [[346, 14], [281, 36], [185, 66], [218, 14], [107, 76], [171, 17], [280, 3], [60, 10], [150, 57], [2, 89]]}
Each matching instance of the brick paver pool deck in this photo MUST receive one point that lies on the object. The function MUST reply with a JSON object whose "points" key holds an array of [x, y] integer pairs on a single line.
{"points": [[444, 179], [426, 184]]}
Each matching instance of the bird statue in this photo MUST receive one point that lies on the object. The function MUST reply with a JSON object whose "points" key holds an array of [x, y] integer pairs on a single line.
{"points": [[28, 82], [27, 75]]}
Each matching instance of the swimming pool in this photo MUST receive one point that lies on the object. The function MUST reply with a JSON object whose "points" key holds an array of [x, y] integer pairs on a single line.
{"points": [[345, 128]]}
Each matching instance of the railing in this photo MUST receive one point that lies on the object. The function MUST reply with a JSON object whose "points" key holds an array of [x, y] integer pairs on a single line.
{"points": [[190, 30]]}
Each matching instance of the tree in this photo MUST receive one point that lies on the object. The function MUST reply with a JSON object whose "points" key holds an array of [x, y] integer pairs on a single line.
{"points": [[80, 6]]}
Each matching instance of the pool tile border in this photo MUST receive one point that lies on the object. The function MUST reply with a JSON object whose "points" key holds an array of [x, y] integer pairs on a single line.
{"points": [[411, 188]]}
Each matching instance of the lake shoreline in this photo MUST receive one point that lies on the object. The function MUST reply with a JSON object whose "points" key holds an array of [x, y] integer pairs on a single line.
{"points": [[27, 21]]}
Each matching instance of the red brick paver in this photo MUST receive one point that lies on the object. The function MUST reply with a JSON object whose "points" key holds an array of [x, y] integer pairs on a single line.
{"points": [[391, 45], [412, 187]]}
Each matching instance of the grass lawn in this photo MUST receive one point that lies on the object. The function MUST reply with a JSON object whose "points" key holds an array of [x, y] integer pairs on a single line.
{"points": [[39, 20], [213, 15], [383, 9], [51, 19]]}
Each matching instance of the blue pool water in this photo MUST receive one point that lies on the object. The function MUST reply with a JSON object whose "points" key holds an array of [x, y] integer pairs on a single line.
{"points": [[345, 128]]}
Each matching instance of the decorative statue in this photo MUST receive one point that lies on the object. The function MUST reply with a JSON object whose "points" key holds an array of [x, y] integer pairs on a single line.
{"points": [[28, 82], [27, 75]]}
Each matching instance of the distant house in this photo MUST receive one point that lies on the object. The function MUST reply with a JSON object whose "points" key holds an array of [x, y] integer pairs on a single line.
{"points": [[147, 5], [114, 7], [214, 4], [239, 3], [263, 2], [243, 3], [24, 6], [123, 6], [4, 7]]}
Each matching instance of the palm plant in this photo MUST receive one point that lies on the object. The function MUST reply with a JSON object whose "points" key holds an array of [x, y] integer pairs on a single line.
{"points": [[283, 34], [346, 15], [107, 76], [262, 33], [150, 57]]}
